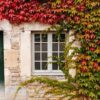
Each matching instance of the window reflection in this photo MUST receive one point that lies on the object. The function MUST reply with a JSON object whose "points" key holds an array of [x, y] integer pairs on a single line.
{"points": [[55, 38], [44, 65], [37, 56], [62, 37], [44, 46], [44, 56], [61, 46], [55, 47], [37, 46], [55, 66], [44, 37], [37, 65], [37, 37]]}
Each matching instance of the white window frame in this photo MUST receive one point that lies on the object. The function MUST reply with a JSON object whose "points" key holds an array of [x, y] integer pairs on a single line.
{"points": [[49, 53]]}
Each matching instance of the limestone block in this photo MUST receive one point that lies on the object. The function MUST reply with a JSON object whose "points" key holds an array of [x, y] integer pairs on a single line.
{"points": [[14, 69], [5, 25], [35, 26], [10, 93], [7, 77], [38, 99], [15, 45], [15, 40], [11, 58], [25, 53], [15, 74], [7, 40], [54, 98], [16, 28], [72, 72]]}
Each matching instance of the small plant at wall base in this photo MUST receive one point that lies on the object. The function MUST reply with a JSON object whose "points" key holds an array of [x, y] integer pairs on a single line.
{"points": [[82, 16]]}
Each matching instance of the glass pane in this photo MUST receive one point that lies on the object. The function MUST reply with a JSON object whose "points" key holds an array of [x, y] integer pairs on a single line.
{"points": [[55, 56], [55, 38], [61, 46], [44, 46], [37, 46], [44, 37], [55, 66], [61, 56], [44, 56], [62, 37], [37, 37], [55, 46], [44, 65], [37, 56], [37, 65]]}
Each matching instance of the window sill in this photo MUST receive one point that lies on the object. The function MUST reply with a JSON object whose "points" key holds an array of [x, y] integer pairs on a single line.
{"points": [[48, 73]]}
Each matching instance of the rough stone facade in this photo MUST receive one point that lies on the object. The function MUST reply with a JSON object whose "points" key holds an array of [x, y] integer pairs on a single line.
{"points": [[17, 61]]}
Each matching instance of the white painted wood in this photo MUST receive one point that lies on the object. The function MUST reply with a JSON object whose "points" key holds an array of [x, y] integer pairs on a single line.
{"points": [[32, 52], [50, 52], [49, 70], [56, 73]]}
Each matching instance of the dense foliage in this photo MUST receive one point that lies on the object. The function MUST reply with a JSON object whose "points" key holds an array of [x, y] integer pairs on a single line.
{"points": [[82, 16]]}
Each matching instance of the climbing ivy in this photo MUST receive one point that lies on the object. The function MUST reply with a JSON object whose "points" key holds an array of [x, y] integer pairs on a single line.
{"points": [[82, 16]]}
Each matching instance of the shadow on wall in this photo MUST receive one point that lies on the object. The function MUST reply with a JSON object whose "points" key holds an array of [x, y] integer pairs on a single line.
{"points": [[1, 87], [2, 91]]}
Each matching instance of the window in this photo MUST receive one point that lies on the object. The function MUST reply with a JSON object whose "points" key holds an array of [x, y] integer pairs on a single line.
{"points": [[46, 48]]}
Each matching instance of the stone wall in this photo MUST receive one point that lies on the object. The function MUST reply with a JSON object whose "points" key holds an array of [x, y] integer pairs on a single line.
{"points": [[11, 56], [17, 61]]}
